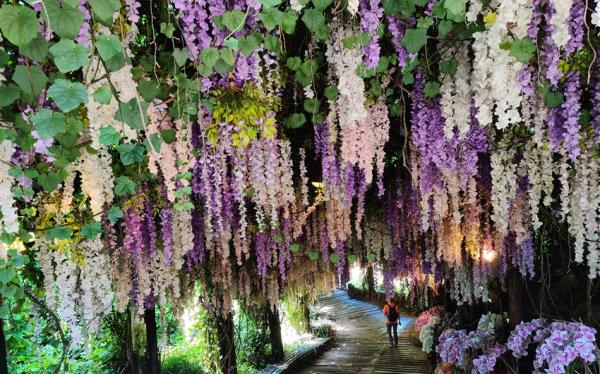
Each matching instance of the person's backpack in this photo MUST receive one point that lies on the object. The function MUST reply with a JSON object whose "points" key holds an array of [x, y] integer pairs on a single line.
{"points": [[392, 314]]}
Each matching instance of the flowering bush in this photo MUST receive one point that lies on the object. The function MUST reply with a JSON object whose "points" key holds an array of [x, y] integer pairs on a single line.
{"points": [[426, 316], [427, 333]]}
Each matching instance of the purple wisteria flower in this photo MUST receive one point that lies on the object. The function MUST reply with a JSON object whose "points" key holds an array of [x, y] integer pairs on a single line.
{"points": [[370, 17]]}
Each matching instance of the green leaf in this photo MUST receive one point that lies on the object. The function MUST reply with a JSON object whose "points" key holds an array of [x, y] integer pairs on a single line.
{"points": [[49, 123], [36, 49], [103, 95], [9, 94], [313, 256], [209, 57], [108, 135], [180, 55], [455, 7], [296, 121], [149, 90], [269, 3], [31, 79], [522, 49], [153, 143], [124, 186], [7, 275], [129, 113], [109, 46], [288, 21], [64, 19], [294, 247], [49, 181], [59, 232], [69, 56], [131, 153], [271, 18], [321, 4], [114, 214], [273, 44], [168, 135], [167, 29], [231, 42], [104, 9], [313, 19], [91, 230], [249, 43], [444, 27], [414, 39], [233, 20], [371, 257], [19, 24], [228, 57], [431, 89], [334, 258], [293, 63], [449, 66], [352, 258], [68, 95], [331, 92], [311, 105], [424, 22]]}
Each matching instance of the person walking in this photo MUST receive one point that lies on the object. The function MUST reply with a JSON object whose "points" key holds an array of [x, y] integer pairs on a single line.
{"points": [[392, 319]]}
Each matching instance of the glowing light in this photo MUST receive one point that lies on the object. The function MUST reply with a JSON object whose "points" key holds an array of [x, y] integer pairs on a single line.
{"points": [[318, 185], [489, 255]]}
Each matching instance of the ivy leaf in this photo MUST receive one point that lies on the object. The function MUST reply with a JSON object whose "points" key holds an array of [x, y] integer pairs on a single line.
{"points": [[105, 9], [249, 43], [449, 66], [233, 20], [431, 89], [313, 19], [167, 29], [149, 90], [231, 42], [180, 55], [8, 94], [129, 113], [352, 258], [68, 95], [331, 92], [296, 121], [414, 39], [108, 135], [69, 56], [522, 49], [271, 18], [209, 57], [65, 20], [321, 4], [273, 44], [114, 214], [311, 105], [31, 79], [371, 257], [109, 46], [334, 258], [36, 49], [455, 7], [313, 256], [269, 3], [7, 275], [293, 63], [49, 123], [124, 186], [444, 27], [294, 247], [103, 95], [19, 24], [131, 153], [91, 230], [49, 181], [59, 232], [288, 21]]}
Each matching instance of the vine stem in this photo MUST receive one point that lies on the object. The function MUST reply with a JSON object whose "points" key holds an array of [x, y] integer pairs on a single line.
{"points": [[587, 27]]}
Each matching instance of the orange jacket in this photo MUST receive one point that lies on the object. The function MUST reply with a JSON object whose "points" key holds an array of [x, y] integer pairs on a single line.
{"points": [[386, 310]]}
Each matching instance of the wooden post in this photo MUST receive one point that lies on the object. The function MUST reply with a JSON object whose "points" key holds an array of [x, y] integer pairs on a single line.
{"points": [[153, 366], [3, 350], [277, 353], [515, 298], [226, 343]]}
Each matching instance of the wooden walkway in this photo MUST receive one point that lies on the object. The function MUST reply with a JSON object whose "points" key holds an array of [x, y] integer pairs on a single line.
{"points": [[361, 343]]}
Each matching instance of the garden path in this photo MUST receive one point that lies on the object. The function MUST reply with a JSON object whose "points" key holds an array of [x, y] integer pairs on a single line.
{"points": [[361, 344]]}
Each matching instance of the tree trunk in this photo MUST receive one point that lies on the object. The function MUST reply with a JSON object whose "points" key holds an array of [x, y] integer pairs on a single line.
{"points": [[152, 366], [370, 281], [132, 363], [275, 331], [3, 350], [515, 298], [226, 344]]}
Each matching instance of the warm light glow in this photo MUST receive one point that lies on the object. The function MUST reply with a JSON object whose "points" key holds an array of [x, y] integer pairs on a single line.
{"points": [[489, 255], [318, 185]]}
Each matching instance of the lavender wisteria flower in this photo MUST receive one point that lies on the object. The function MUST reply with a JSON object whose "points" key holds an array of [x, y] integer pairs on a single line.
{"points": [[370, 16]]}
